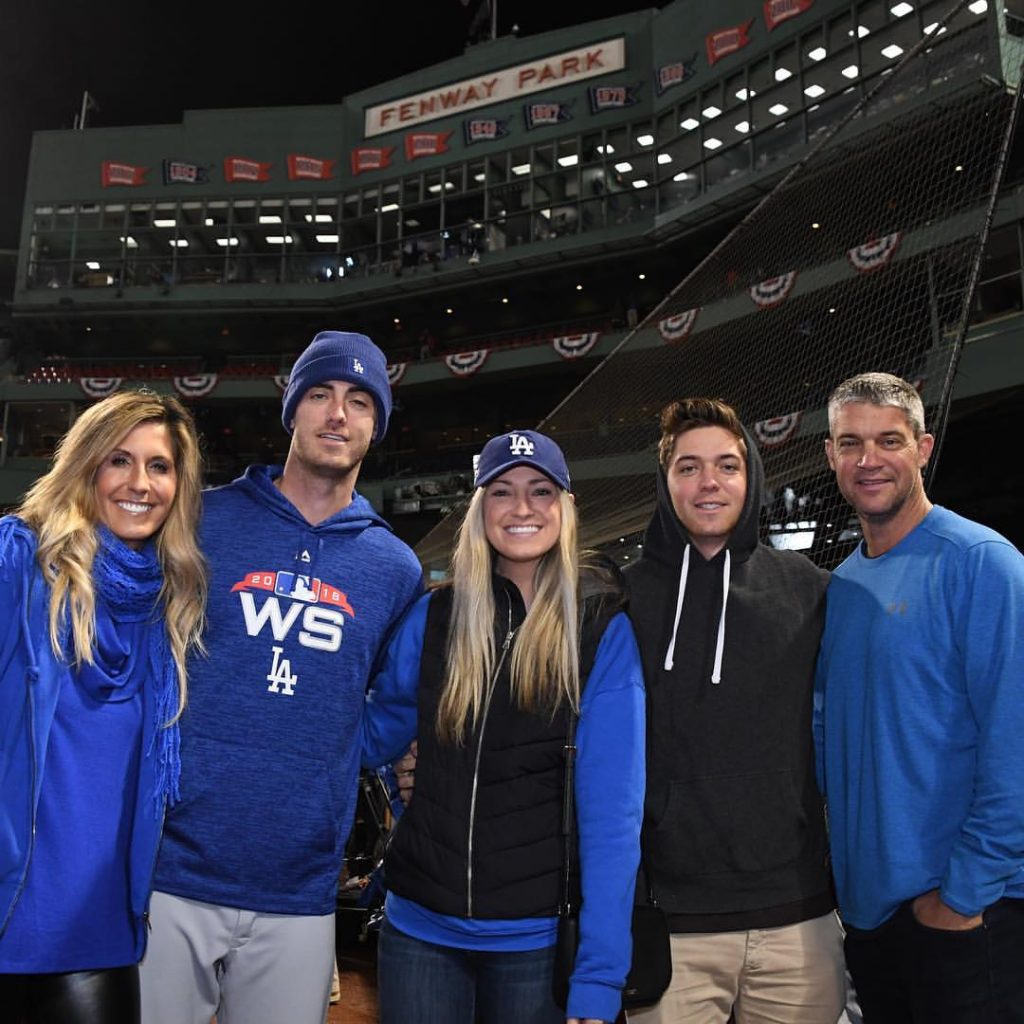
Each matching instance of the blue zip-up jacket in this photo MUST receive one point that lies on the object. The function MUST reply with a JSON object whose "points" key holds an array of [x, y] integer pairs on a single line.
{"points": [[296, 616], [919, 721], [31, 678], [609, 807]]}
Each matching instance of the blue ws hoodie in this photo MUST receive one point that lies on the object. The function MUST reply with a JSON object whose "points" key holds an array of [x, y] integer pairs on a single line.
{"points": [[270, 739]]}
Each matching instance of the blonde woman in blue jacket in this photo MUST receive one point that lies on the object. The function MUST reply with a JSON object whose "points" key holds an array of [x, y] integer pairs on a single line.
{"points": [[102, 589], [489, 673]]}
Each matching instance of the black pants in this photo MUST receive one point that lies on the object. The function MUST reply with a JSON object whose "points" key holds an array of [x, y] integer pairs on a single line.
{"points": [[78, 997], [905, 973]]}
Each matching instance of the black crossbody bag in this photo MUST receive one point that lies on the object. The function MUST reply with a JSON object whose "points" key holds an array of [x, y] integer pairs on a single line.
{"points": [[651, 969]]}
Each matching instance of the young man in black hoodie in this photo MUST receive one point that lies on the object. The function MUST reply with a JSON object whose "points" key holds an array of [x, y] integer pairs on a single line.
{"points": [[734, 839]]}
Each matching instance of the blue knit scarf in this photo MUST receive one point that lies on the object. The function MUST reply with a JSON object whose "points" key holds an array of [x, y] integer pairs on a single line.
{"points": [[128, 583]]}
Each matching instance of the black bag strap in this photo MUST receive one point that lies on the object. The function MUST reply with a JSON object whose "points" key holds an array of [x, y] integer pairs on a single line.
{"points": [[567, 907]]}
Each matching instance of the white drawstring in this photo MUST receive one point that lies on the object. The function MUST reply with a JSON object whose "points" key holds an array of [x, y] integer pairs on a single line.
{"points": [[716, 672], [679, 607]]}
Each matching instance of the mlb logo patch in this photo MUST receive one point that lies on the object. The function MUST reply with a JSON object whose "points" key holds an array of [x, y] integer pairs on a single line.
{"points": [[297, 587]]}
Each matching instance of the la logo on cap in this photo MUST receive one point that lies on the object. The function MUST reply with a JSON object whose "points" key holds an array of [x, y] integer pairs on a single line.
{"points": [[519, 445], [357, 366]]}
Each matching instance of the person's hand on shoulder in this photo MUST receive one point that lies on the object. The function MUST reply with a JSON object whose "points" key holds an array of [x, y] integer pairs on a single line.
{"points": [[405, 774]]}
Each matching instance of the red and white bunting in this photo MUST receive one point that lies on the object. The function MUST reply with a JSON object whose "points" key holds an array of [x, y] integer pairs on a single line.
{"points": [[575, 346], [99, 387], [777, 430], [238, 168], [875, 254], [281, 380], [309, 168], [196, 385], [114, 173], [773, 291], [396, 371], [727, 40], [778, 11], [465, 364], [677, 328]]}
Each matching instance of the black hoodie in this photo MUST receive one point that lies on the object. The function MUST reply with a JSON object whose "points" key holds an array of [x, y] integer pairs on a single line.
{"points": [[734, 830]]}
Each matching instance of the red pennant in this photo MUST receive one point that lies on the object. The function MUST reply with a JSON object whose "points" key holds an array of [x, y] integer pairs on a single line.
{"points": [[309, 168], [371, 158], [238, 168], [778, 11], [114, 173], [419, 144], [728, 40]]}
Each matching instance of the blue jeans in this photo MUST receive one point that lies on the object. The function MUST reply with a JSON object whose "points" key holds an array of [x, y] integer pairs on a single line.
{"points": [[906, 973], [421, 983]]}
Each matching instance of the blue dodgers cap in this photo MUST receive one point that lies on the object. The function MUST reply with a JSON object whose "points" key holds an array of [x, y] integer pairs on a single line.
{"points": [[520, 448], [338, 355]]}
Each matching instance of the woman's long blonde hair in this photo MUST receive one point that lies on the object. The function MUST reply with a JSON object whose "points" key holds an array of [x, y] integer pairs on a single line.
{"points": [[545, 659], [61, 509]]}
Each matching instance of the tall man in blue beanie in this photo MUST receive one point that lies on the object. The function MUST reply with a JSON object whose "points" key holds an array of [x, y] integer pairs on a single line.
{"points": [[919, 719], [305, 582]]}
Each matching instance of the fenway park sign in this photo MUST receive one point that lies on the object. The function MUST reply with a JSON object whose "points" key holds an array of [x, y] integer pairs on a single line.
{"points": [[495, 86]]}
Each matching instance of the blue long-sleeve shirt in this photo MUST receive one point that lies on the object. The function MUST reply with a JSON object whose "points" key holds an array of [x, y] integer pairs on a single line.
{"points": [[919, 719], [610, 778]]}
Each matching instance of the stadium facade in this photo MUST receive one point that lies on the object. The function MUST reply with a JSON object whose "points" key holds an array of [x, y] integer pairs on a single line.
{"points": [[496, 222]]}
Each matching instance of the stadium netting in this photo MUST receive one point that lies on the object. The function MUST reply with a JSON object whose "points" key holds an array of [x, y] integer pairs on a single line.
{"points": [[864, 257]]}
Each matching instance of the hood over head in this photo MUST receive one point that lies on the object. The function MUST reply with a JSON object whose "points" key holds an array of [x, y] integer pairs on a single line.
{"points": [[669, 542], [666, 538]]}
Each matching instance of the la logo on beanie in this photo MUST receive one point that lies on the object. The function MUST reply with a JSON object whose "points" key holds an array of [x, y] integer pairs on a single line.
{"points": [[357, 367], [519, 445]]}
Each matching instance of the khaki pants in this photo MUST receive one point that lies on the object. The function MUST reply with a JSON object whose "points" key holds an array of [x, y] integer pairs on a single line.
{"points": [[790, 975]]}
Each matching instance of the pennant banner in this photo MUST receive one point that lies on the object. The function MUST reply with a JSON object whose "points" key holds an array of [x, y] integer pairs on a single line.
{"points": [[669, 75], [540, 114], [776, 430], [773, 291], [197, 385], [113, 173], [237, 168], [874, 254], [677, 328], [371, 158], [778, 11], [419, 144], [179, 172], [612, 97], [465, 364], [309, 168], [576, 346], [396, 371], [727, 40], [484, 129], [99, 387], [281, 380]]}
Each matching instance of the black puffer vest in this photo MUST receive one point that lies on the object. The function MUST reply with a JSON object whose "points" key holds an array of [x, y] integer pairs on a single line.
{"points": [[482, 836]]}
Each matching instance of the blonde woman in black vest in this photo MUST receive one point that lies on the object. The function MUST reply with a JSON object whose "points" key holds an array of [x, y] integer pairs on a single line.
{"points": [[488, 673]]}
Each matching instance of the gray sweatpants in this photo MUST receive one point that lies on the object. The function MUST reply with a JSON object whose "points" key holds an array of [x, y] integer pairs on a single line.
{"points": [[242, 966]]}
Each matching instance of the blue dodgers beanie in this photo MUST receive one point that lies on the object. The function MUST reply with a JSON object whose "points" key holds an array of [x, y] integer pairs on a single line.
{"points": [[521, 448], [338, 355]]}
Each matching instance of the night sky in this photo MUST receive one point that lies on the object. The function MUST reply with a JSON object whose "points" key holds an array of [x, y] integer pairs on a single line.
{"points": [[145, 62]]}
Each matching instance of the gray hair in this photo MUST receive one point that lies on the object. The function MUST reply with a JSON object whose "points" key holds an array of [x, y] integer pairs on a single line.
{"points": [[878, 389]]}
